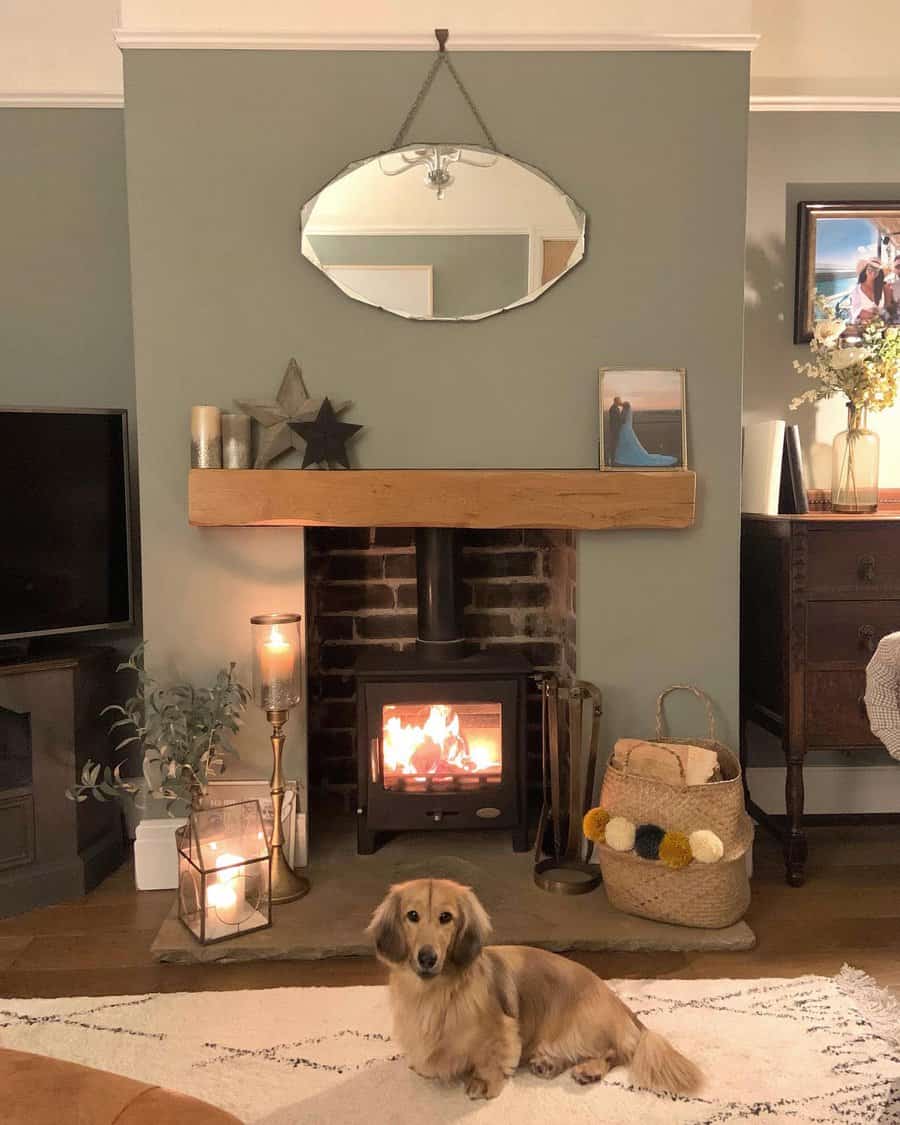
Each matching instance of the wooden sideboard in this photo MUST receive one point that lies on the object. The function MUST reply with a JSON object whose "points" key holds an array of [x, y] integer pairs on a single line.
{"points": [[818, 592]]}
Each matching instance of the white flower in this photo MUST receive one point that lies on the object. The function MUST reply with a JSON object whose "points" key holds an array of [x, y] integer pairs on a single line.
{"points": [[828, 332], [846, 357]]}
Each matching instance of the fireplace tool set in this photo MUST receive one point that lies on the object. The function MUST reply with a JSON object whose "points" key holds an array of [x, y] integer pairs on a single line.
{"points": [[569, 776]]}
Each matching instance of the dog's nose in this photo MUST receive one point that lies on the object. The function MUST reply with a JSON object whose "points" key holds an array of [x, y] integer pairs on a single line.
{"points": [[427, 957]]}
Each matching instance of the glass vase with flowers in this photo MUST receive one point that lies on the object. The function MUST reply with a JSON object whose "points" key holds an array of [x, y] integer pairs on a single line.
{"points": [[865, 370]]}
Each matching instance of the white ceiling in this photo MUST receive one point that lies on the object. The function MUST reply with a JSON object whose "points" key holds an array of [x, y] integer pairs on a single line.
{"points": [[811, 53]]}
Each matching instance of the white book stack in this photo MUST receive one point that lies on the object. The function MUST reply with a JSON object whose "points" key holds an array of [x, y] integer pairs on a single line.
{"points": [[761, 467]]}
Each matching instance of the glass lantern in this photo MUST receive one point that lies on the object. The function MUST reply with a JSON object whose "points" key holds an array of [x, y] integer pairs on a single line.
{"points": [[224, 873], [276, 660]]}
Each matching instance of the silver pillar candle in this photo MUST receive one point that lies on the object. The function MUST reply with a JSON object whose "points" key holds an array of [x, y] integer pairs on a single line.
{"points": [[236, 441], [206, 437]]}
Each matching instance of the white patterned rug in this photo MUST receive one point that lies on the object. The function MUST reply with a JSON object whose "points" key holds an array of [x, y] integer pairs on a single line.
{"points": [[809, 1050]]}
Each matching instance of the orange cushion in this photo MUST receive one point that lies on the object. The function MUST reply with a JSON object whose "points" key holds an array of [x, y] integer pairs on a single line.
{"points": [[38, 1090]]}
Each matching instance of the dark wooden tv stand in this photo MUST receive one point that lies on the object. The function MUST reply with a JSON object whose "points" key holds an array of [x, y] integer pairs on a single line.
{"points": [[52, 848]]}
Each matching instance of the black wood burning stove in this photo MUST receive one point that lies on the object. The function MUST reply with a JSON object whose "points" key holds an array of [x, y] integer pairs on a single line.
{"points": [[441, 735]]}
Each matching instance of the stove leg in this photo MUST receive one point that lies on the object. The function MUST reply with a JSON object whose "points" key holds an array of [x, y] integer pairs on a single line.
{"points": [[520, 840], [366, 841]]}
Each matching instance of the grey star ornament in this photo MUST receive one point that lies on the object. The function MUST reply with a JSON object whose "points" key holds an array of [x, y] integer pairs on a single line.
{"points": [[292, 403]]}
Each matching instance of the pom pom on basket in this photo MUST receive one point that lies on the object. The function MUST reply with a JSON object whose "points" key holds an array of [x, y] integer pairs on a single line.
{"points": [[620, 834], [705, 846], [647, 839], [594, 825], [675, 850]]}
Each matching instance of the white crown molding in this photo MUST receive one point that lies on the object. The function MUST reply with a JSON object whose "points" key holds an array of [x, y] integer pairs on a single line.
{"points": [[149, 39], [822, 103], [61, 100]]}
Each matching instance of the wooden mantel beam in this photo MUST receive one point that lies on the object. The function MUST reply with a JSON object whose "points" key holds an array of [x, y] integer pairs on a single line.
{"points": [[582, 499]]}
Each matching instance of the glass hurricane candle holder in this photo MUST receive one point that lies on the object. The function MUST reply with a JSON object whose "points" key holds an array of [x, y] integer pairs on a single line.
{"points": [[224, 879], [276, 661], [276, 689]]}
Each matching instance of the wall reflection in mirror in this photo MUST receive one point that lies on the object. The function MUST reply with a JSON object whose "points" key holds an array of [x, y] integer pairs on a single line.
{"points": [[443, 232]]}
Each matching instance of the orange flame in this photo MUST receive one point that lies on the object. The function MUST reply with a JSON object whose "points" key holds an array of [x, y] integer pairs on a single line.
{"points": [[438, 747]]}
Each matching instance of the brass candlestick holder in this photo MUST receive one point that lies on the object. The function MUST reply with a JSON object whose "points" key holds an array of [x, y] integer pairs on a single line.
{"points": [[286, 884], [276, 689]]}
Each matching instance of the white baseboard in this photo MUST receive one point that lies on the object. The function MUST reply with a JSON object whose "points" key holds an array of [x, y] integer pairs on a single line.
{"points": [[831, 789]]}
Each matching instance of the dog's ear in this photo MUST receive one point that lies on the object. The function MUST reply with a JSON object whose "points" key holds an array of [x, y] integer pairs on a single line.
{"points": [[385, 928], [473, 930]]}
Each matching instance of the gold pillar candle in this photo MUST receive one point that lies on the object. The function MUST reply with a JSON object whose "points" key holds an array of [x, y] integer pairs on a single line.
{"points": [[236, 452], [206, 437]]}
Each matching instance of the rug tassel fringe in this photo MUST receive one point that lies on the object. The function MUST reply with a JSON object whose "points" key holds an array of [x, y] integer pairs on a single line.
{"points": [[877, 1004]]}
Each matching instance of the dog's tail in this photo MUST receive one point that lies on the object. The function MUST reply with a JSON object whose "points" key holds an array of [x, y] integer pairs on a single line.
{"points": [[656, 1065]]}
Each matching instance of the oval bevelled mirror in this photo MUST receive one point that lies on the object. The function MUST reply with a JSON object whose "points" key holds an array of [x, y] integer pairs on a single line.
{"points": [[443, 232]]}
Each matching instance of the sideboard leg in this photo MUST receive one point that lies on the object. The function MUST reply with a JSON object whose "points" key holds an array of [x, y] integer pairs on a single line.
{"points": [[795, 848]]}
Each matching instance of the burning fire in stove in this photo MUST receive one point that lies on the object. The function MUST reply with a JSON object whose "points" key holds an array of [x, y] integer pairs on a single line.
{"points": [[442, 742]]}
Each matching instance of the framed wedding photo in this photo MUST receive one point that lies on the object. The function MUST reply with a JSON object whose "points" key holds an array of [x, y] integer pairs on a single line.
{"points": [[642, 419], [849, 254]]}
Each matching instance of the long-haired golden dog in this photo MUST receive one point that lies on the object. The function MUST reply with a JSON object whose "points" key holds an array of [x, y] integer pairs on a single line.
{"points": [[465, 1011]]}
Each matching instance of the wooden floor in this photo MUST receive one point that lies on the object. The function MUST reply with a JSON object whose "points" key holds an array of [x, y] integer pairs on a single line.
{"points": [[848, 911]]}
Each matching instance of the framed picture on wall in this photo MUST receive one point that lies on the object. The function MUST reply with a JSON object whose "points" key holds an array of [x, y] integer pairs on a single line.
{"points": [[849, 254], [642, 418]]}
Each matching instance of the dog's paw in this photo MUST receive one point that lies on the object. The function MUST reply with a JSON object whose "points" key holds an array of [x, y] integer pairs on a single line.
{"points": [[591, 1070], [479, 1087], [544, 1067]]}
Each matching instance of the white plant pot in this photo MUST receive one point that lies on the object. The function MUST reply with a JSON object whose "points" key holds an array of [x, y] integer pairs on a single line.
{"points": [[156, 854]]}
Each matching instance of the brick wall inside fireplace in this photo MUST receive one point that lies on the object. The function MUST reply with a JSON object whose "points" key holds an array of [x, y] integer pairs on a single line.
{"points": [[361, 596]]}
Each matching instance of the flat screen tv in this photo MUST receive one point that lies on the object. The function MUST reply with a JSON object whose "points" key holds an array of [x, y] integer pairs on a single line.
{"points": [[65, 563]]}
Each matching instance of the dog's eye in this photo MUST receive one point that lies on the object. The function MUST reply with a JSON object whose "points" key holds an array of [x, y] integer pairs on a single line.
{"points": [[412, 915], [445, 917]]}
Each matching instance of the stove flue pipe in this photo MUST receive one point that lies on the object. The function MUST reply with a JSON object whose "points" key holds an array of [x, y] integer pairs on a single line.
{"points": [[440, 627]]}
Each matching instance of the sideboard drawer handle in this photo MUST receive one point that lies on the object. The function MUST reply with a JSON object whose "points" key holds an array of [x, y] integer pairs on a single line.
{"points": [[866, 636], [865, 568]]}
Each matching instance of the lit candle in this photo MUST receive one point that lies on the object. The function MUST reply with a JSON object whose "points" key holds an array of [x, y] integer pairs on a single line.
{"points": [[276, 662], [226, 897], [222, 899]]}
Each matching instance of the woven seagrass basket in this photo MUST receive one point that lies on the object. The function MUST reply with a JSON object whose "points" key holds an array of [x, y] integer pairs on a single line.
{"points": [[708, 895]]}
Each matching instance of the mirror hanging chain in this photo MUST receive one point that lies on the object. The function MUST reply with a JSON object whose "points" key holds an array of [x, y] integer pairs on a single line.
{"points": [[442, 58]]}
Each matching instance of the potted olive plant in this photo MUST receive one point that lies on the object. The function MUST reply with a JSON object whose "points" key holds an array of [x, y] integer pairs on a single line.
{"points": [[184, 733]]}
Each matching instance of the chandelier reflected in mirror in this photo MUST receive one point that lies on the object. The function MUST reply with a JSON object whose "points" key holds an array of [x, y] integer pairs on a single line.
{"points": [[436, 159]]}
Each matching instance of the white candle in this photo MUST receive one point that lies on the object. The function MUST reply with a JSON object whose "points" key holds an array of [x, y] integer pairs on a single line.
{"points": [[222, 900], [226, 897], [206, 437]]}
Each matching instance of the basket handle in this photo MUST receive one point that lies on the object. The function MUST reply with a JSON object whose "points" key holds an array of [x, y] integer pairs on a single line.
{"points": [[681, 772], [701, 695]]}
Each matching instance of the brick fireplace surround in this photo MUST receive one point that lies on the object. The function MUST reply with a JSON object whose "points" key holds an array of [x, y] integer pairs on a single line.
{"points": [[361, 597]]}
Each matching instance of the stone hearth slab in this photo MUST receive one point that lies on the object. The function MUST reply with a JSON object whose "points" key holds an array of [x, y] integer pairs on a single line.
{"points": [[346, 887]]}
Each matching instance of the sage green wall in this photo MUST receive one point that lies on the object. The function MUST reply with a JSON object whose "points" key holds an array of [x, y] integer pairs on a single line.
{"points": [[794, 157], [65, 304], [223, 147], [472, 272]]}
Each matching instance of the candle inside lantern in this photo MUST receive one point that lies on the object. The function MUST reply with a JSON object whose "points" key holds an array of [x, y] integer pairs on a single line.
{"points": [[226, 896]]}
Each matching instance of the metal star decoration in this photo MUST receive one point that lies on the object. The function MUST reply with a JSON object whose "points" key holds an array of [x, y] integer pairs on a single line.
{"points": [[326, 438], [292, 404]]}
